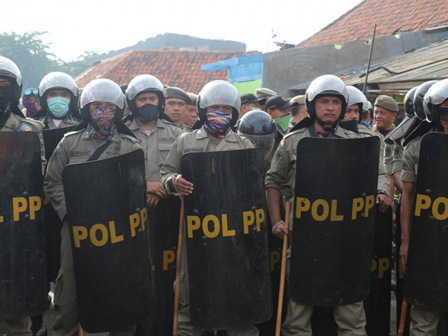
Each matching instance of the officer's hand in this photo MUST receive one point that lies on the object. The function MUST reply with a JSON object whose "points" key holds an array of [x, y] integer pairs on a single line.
{"points": [[383, 202], [183, 186], [404, 253], [280, 231], [156, 188], [152, 200]]}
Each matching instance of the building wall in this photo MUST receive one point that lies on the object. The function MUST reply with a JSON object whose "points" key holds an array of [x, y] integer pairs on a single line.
{"points": [[285, 69]]}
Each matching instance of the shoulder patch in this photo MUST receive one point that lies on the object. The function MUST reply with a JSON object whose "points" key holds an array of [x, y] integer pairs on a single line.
{"points": [[25, 127], [35, 125]]}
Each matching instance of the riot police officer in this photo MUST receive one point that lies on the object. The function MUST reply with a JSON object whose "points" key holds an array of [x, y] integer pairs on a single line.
{"points": [[258, 126], [58, 98], [424, 320], [100, 135], [352, 117], [218, 108], [12, 120], [326, 102], [145, 97]]}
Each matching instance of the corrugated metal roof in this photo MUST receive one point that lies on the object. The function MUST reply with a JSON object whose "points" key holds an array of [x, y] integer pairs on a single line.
{"points": [[419, 65]]}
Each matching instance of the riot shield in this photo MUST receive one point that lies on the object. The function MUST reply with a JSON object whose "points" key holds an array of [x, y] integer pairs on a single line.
{"points": [[334, 215], [53, 223], [427, 268], [226, 228], [377, 303], [52, 137], [164, 234], [108, 225], [23, 289]]}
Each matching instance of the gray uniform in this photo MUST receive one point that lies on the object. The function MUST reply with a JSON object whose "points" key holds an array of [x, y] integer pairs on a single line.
{"points": [[156, 145], [198, 141], [424, 321], [75, 147], [350, 318], [15, 123]]}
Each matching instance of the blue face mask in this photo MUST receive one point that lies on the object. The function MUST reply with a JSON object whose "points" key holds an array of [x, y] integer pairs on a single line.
{"points": [[58, 106]]}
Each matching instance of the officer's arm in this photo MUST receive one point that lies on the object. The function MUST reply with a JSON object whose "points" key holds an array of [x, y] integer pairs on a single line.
{"points": [[53, 178], [397, 181], [397, 164], [172, 180], [42, 151], [407, 204], [408, 177], [383, 188], [275, 178]]}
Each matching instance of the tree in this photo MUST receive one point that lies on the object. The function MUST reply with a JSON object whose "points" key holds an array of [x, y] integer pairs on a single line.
{"points": [[31, 55], [34, 59]]}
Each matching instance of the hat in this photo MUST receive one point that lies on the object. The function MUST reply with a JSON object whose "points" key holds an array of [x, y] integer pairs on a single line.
{"points": [[251, 98], [265, 93], [300, 100], [174, 92], [277, 102], [387, 103], [193, 98]]}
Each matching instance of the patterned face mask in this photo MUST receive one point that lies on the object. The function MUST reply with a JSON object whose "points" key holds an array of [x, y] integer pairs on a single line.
{"points": [[102, 119], [218, 123]]}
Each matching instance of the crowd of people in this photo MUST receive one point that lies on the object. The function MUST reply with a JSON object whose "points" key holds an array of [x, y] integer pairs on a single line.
{"points": [[104, 120]]}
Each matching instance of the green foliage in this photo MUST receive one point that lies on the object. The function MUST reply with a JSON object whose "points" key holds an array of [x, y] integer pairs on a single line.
{"points": [[34, 59]]}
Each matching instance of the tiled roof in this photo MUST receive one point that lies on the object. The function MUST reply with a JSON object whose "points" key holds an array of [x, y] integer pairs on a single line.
{"points": [[173, 67], [390, 16]]}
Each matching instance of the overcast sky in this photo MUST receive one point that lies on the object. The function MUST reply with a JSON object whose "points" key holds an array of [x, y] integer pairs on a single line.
{"points": [[96, 25]]}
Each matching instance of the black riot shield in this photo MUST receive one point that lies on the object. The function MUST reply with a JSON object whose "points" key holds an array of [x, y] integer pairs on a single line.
{"points": [[53, 223], [23, 289], [164, 234], [427, 268], [108, 225], [377, 303], [226, 228], [334, 215], [52, 137]]}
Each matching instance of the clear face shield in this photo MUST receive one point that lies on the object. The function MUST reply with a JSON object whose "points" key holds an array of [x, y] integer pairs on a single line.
{"points": [[265, 142]]}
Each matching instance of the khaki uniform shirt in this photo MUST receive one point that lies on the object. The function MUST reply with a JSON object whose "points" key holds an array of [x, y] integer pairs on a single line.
{"points": [[198, 141], [363, 129], [156, 145], [67, 122], [388, 154], [77, 147], [410, 160], [283, 164], [17, 124]]}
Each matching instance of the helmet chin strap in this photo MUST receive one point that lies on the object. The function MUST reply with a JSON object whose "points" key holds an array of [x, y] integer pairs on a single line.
{"points": [[326, 128]]}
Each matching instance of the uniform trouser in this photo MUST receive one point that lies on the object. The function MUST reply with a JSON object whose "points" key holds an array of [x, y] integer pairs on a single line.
{"points": [[351, 319], [185, 328], [18, 327], [66, 296], [424, 321]]}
